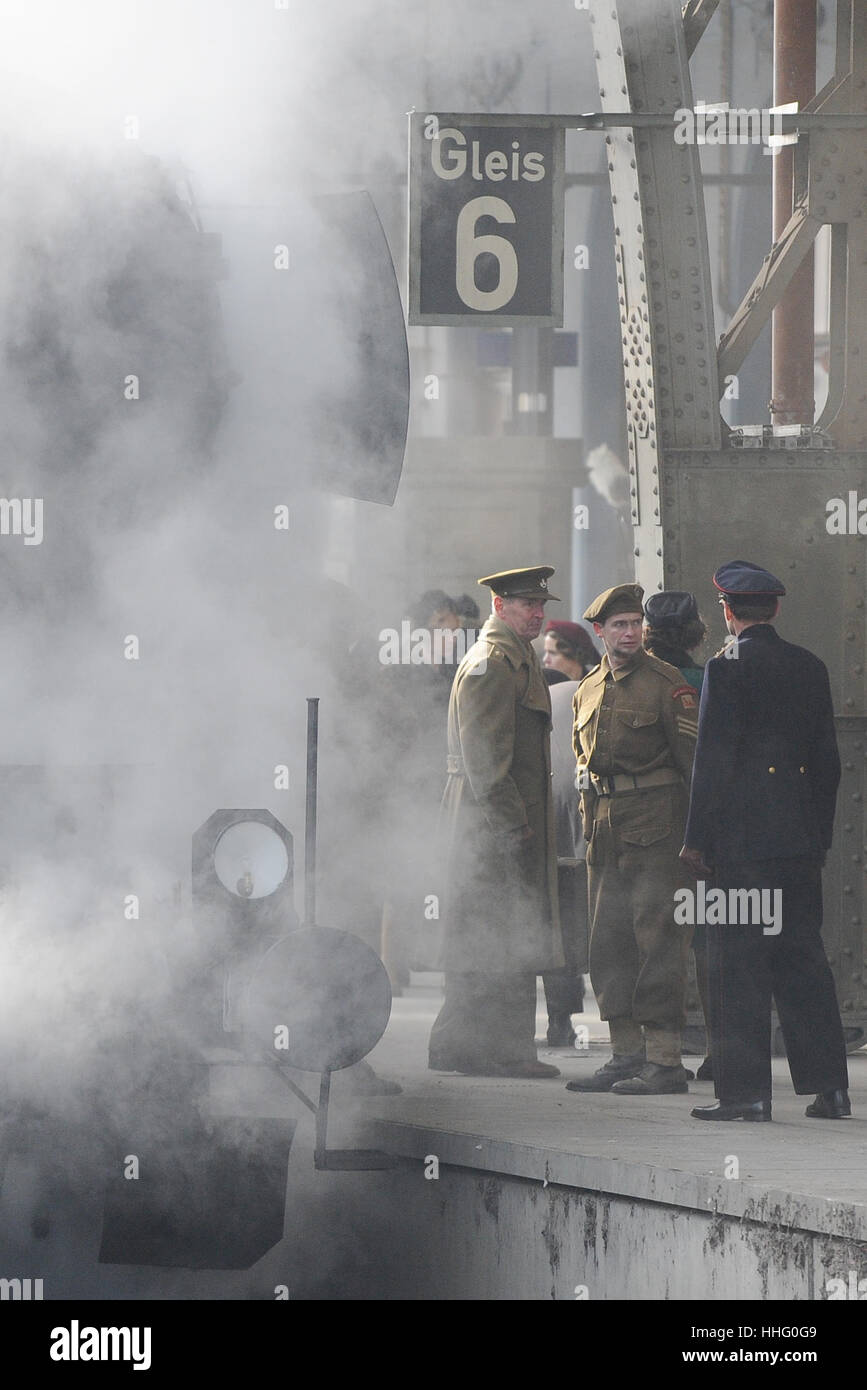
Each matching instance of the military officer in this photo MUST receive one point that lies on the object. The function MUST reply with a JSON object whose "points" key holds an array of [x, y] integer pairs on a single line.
{"points": [[634, 737], [500, 919], [760, 821]]}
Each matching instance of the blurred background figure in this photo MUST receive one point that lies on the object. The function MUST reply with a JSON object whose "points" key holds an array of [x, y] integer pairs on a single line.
{"points": [[416, 739], [673, 631], [468, 611], [436, 609], [567, 645]]}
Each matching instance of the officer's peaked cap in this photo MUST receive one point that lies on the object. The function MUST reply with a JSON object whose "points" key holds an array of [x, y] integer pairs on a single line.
{"points": [[529, 583], [741, 580], [623, 598]]}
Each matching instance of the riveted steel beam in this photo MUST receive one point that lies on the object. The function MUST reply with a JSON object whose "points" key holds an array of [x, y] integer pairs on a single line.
{"points": [[793, 350], [663, 273]]}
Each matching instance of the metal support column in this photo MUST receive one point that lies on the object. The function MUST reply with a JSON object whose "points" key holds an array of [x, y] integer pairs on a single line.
{"points": [[792, 401]]}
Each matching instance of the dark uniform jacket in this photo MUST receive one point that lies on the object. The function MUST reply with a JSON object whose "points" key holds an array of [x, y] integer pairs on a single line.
{"points": [[501, 910], [767, 766]]}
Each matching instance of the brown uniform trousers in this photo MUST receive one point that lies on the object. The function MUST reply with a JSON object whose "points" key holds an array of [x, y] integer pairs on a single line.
{"points": [[635, 732]]}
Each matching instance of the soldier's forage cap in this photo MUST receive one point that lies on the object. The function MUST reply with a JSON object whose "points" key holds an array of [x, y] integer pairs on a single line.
{"points": [[530, 583], [670, 608], [740, 580], [623, 598]]}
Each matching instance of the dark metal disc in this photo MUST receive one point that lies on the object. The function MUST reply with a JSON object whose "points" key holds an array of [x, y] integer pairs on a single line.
{"points": [[319, 1000]]}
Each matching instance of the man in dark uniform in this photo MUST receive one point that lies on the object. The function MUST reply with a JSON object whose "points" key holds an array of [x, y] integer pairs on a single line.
{"points": [[760, 822], [501, 921], [634, 738]]}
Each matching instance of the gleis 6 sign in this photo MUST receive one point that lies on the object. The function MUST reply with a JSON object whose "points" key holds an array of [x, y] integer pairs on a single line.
{"points": [[486, 220]]}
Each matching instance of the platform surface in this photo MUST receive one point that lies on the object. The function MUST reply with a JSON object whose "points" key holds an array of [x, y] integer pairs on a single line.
{"points": [[810, 1172]]}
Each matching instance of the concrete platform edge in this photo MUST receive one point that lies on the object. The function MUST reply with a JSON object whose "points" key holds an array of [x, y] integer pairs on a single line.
{"points": [[733, 1198]]}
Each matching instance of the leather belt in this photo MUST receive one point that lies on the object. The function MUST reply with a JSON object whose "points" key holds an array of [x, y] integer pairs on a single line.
{"points": [[634, 782]]}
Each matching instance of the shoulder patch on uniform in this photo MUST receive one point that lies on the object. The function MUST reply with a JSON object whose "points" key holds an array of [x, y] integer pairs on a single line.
{"points": [[687, 696]]}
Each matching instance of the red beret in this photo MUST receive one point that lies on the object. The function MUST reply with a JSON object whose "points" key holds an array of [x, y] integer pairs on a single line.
{"points": [[573, 633]]}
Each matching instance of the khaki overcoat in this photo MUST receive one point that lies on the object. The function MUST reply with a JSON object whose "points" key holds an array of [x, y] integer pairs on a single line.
{"points": [[500, 910]]}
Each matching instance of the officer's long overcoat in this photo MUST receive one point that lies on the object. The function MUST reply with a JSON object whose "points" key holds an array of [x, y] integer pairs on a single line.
{"points": [[767, 766], [500, 911]]}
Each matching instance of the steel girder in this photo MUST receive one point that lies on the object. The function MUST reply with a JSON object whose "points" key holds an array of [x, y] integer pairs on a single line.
{"points": [[663, 273], [835, 192]]}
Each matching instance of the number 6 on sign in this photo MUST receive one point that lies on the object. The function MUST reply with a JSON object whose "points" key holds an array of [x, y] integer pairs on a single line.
{"points": [[470, 247]]}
